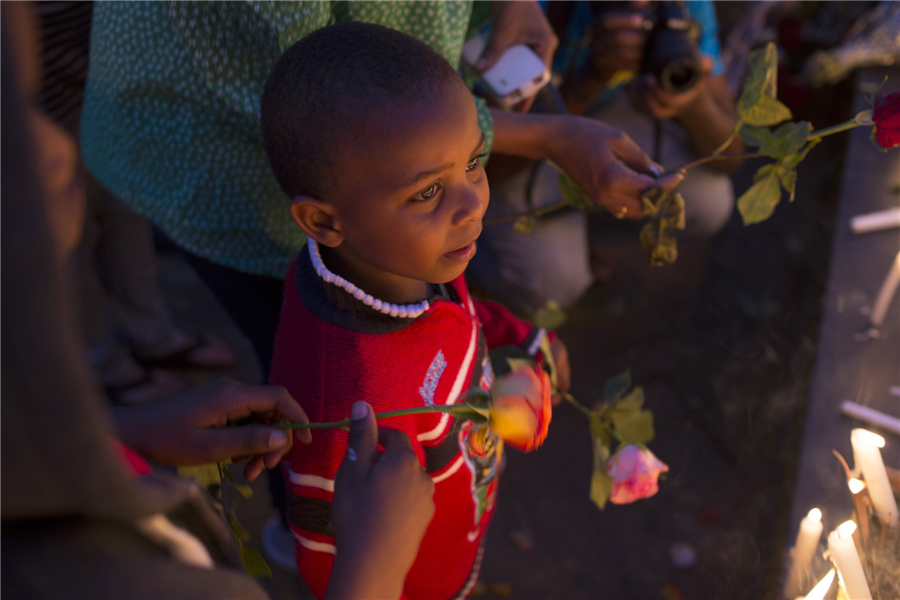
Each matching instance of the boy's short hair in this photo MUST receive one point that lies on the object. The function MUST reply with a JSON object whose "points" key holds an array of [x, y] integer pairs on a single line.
{"points": [[325, 87]]}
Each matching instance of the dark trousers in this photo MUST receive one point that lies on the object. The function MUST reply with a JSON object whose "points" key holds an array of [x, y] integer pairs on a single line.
{"points": [[252, 301], [254, 304]]}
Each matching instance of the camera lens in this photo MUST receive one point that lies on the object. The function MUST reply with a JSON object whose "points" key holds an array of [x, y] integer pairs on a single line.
{"points": [[679, 76]]}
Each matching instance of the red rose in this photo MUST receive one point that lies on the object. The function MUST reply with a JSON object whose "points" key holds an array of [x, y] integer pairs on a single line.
{"points": [[521, 409], [635, 473], [887, 119]]}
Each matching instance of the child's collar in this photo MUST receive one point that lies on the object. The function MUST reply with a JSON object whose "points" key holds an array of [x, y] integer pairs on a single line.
{"points": [[406, 311]]}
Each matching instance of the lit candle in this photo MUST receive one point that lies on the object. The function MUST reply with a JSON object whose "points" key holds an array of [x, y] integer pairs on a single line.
{"points": [[868, 457], [802, 554], [846, 558], [818, 592]]}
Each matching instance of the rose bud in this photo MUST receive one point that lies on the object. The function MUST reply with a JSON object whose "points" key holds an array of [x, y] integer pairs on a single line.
{"points": [[521, 410], [478, 440], [886, 117], [635, 473]]}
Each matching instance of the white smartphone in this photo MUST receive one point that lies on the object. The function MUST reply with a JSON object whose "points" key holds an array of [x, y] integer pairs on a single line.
{"points": [[519, 74]]}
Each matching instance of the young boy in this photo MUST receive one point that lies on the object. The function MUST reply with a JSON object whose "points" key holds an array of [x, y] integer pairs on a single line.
{"points": [[375, 137]]}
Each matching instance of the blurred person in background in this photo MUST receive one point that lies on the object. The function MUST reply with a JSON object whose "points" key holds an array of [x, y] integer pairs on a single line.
{"points": [[130, 334], [599, 68], [83, 516]]}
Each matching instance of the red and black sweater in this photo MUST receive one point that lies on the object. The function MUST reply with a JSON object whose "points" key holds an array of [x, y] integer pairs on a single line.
{"points": [[332, 350]]}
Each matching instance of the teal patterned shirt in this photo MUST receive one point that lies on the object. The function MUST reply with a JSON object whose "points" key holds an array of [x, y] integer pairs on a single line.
{"points": [[171, 115]]}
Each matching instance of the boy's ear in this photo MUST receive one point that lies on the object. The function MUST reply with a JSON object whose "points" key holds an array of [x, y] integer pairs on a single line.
{"points": [[317, 219]]}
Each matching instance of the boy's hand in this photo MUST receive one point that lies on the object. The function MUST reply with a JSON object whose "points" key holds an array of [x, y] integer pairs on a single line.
{"points": [[563, 370], [189, 428], [382, 507]]}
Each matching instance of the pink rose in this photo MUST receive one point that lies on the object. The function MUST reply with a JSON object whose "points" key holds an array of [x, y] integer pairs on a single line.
{"points": [[886, 117], [635, 473], [521, 409]]}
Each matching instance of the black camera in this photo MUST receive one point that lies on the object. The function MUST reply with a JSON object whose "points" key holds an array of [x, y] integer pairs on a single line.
{"points": [[670, 54]]}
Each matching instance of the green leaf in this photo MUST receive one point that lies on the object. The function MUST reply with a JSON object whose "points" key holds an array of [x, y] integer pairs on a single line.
{"points": [[254, 563], [632, 402], [791, 162], [755, 136], [762, 80], [599, 430], [659, 243], [524, 224], [767, 111], [206, 475], [601, 482], [238, 532], [787, 140], [515, 363], [573, 194], [550, 316], [758, 203], [616, 386], [633, 427], [788, 179], [549, 363]]}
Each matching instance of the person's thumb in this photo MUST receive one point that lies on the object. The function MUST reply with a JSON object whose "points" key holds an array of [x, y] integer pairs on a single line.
{"points": [[363, 435], [624, 148], [495, 48], [245, 440]]}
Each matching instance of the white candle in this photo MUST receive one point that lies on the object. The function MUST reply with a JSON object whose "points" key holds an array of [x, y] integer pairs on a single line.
{"points": [[801, 556], [876, 221], [868, 456], [818, 592], [871, 416], [846, 558]]}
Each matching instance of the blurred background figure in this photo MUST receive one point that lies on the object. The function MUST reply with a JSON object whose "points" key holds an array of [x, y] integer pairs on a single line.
{"points": [[618, 62], [129, 332]]}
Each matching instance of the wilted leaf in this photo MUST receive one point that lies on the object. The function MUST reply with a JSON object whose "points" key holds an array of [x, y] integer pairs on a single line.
{"points": [[206, 475], [524, 224], [254, 563], [675, 211], [758, 203], [616, 386], [237, 531], [549, 316], [652, 199], [549, 363], [659, 243], [766, 112], [633, 427], [573, 194], [601, 482], [516, 363]]}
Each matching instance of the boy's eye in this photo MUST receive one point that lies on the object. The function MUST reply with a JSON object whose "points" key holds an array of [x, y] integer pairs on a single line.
{"points": [[428, 193], [473, 164]]}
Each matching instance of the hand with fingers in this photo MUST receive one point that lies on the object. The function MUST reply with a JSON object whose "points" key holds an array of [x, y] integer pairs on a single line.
{"points": [[611, 169], [515, 23], [382, 507], [192, 427]]}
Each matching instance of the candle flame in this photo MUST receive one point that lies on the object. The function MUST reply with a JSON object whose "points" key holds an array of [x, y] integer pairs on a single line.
{"points": [[856, 485], [818, 592], [866, 438], [815, 515], [846, 529]]}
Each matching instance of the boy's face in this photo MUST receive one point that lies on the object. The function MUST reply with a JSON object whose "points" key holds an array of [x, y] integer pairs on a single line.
{"points": [[412, 190]]}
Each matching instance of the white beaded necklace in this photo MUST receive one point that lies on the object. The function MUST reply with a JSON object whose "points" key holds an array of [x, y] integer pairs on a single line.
{"points": [[405, 311]]}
